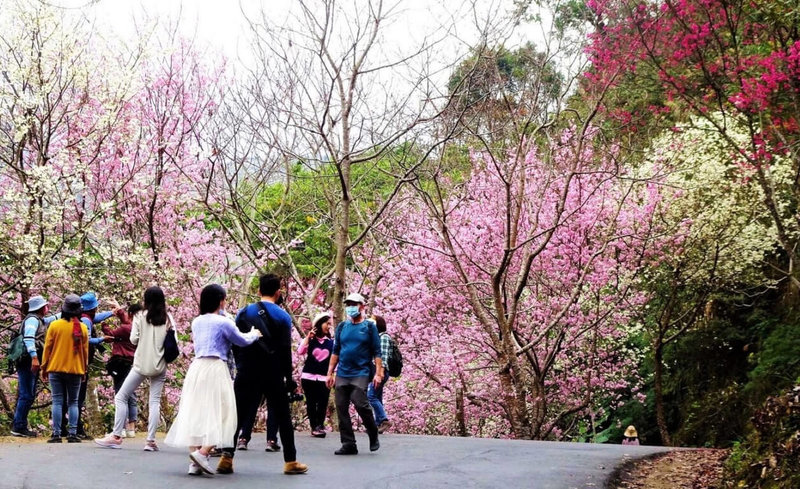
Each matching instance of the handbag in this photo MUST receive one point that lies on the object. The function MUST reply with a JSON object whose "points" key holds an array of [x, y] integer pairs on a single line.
{"points": [[171, 350]]}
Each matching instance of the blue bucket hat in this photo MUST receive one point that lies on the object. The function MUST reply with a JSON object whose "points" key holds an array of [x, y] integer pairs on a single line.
{"points": [[36, 302], [88, 301]]}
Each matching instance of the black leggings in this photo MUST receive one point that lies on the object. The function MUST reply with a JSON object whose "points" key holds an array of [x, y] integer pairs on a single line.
{"points": [[317, 394]]}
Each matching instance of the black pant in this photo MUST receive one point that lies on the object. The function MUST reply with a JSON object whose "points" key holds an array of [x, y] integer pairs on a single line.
{"points": [[249, 420], [353, 390], [317, 394], [249, 387], [81, 401], [119, 375]]}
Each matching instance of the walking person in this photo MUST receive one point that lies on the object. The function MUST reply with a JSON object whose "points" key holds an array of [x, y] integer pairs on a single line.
{"points": [[65, 358], [356, 345], [265, 369], [121, 361], [207, 410], [148, 330], [34, 329], [317, 346], [89, 317], [249, 420], [375, 392]]}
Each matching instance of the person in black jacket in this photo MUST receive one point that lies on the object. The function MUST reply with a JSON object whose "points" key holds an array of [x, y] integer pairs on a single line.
{"points": [[265, 369]]}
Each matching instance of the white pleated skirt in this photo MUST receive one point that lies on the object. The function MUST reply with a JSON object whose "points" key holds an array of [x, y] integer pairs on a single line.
{"points": [[207, 410]]}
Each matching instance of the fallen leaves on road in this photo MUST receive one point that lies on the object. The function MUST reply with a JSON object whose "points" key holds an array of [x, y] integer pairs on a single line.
{"points": [[683, 469]]}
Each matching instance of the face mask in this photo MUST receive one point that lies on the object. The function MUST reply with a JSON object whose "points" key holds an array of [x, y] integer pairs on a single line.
{"points": [[222, 312], [352, 311]]}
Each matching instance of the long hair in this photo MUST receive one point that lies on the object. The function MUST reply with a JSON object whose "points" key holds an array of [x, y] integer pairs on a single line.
{"points": [[68, 316], [318, 327], [155, 305], [211, 297], [77, 329]]}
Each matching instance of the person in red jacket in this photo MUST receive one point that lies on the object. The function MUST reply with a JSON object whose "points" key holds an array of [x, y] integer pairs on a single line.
{"points": [[121, 361]]}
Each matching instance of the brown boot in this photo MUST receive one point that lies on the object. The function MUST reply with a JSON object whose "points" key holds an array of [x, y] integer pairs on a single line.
{"points": [[294, 468], [225, 465]]}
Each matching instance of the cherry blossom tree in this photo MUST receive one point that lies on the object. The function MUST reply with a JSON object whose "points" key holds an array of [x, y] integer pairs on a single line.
{"points": [[733, 63], [513, 294], [98, 164], [721, 236], [327, 102]]}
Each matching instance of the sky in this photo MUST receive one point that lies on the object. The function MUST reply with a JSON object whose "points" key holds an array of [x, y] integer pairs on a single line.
{"points": [[221, 25]]}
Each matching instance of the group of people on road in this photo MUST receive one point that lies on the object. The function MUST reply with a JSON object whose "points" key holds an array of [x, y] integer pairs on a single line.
{"points": [[58, 348], [217, 408]]}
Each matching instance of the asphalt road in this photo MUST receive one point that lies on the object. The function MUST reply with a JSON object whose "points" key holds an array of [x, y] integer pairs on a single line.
{"points": [[404, 461]]}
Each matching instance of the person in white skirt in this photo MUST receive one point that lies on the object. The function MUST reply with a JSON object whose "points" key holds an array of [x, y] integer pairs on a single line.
{"points": [[207, 410], [148, 329]]}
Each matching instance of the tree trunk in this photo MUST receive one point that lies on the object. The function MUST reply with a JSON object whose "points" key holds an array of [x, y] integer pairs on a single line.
{"points": [[5, 395], [539, 408], [340, 265], [92, 420], [659, 391], [461, 419]]}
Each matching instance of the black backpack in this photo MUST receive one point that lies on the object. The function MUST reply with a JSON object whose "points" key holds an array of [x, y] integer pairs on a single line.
{"points": [[394, 364], [274, 348]]}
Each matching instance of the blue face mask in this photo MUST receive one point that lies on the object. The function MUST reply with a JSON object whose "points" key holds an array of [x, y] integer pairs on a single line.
{"points": [[352, 311]]}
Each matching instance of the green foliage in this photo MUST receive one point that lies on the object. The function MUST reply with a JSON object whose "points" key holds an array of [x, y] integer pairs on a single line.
{"points": [[720, 372], [777, 363], [770, 456], [704, 387], [303, 206]]}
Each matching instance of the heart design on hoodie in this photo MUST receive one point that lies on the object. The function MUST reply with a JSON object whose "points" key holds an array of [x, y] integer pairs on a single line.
{"points": [[321, 354]]}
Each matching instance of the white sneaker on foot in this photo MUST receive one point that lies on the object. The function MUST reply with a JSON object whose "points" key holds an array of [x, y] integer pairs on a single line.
{"points": [[109, 441], [195, 469], [130, 434], [202, 461], [150, 446]]}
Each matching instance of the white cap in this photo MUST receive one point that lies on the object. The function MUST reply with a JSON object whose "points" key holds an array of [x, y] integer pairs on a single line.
{"points": [[320, 316], [355, 297]]}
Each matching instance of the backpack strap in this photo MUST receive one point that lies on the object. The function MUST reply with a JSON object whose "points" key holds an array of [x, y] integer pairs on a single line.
{"points": [[267, 322], [38, 327]]}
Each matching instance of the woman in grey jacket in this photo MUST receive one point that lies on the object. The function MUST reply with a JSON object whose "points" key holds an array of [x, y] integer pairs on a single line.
{"points": [[148, 330]]}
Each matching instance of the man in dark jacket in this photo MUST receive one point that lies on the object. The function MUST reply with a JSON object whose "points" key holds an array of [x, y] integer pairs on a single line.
{"points": [[265, 369]]}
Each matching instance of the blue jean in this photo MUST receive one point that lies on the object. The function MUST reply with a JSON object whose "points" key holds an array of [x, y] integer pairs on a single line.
{"points": [[65, 385], [375, 398], [27, 389]]}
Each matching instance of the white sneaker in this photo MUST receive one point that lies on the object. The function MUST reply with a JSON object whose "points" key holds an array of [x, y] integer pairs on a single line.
{"points": [[202, 461], [109, 441], [195, 469], [130, 434]]}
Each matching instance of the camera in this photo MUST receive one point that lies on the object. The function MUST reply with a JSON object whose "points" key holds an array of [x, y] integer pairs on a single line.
{"points": [[295, 397]]}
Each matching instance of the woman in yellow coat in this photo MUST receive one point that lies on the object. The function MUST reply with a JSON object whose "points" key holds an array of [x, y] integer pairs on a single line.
{"points": [[64, 363]]}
